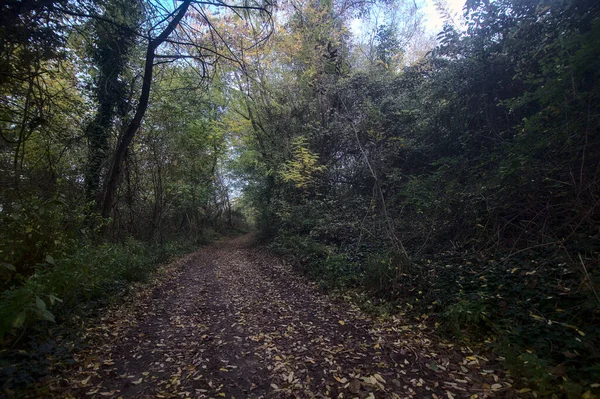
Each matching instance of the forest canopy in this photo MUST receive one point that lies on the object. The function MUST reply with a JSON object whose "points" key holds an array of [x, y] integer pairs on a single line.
{"points": [[454, 175]]}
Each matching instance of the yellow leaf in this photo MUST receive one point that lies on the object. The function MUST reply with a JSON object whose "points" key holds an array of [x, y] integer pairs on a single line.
{"points": [[340, 380], [341, 322], [137, 382], [524, 390]]}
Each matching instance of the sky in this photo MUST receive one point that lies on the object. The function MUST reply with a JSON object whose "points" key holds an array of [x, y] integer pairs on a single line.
{"points": [[434, 22]]}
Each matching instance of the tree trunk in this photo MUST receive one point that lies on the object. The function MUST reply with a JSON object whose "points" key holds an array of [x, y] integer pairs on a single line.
{"points": [[112, 178]]}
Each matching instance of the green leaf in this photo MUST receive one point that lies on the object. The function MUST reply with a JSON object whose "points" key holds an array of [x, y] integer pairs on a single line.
{"points": [[19, 320], [41, 305], [46, 315], [54, 299], [50, 260], [8, 266]]}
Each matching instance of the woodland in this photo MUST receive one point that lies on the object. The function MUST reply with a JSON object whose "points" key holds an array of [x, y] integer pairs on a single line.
{"points": [[448, 178]]}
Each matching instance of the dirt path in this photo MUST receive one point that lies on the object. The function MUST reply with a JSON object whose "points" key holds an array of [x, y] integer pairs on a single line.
{"points": [[233, 321]]}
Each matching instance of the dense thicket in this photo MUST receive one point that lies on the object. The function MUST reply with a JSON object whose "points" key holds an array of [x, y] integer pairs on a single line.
{"points": [[465, 184]]}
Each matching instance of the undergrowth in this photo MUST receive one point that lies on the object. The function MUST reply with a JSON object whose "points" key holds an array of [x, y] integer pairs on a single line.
{"points": [[89, 274], [537, 310], [63, 292]]}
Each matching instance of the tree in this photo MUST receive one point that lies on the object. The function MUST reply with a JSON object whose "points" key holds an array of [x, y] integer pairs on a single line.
{"points": [[388, 46], [110, 51], [29, 42], [172, 21], [114, 172]]}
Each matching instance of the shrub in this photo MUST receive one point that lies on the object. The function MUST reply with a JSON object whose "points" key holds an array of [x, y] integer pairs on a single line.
{"points": [[467, 315], [91, 274]]}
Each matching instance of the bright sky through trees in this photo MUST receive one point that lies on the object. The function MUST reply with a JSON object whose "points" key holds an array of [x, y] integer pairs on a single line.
{"points": [[431, 15], [434, 20]]}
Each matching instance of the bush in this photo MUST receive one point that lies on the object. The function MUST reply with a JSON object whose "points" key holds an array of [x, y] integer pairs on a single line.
{"points": [[319, 262], [32, 229], [466, 315], [382, 275], [91, 274]]}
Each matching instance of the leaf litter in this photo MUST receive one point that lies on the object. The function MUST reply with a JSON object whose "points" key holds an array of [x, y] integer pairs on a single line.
{"points": [[234, 321]]}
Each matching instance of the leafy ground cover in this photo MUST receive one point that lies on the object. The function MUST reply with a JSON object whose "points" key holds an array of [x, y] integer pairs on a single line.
{"points": [[41, 317], [533, 309], [232, 320]]}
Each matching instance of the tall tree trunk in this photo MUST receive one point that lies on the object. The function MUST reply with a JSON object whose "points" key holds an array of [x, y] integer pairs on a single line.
{"points": [[110, 52], [112, 178], [97, 133]]}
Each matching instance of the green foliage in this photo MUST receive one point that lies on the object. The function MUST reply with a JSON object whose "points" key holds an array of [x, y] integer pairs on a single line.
{"points": [[303, 249], [382, 275], [528, 307], [466, 315], [481, 161], [320, 262], [92, 274], [110, 52], [34, 230], [387, 46], [336, 271]]}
